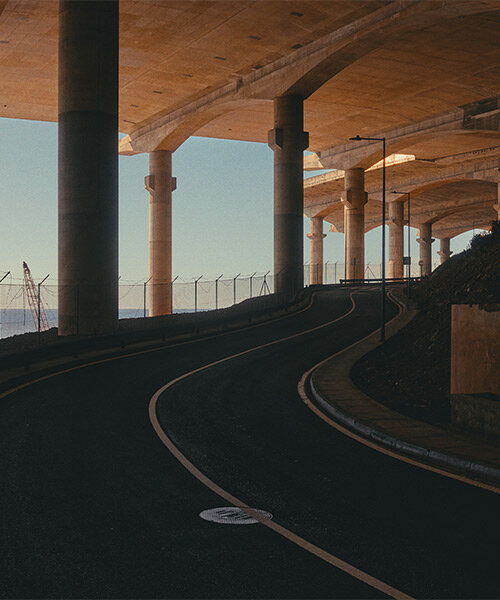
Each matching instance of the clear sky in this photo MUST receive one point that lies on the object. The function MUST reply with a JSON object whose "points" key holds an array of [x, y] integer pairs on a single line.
{"points": [[222, 208]]}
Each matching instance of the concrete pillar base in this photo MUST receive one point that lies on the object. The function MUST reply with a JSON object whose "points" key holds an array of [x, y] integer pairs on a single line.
{"points": [[316, 236], [444, 250], [425, 240], [396, 239]]}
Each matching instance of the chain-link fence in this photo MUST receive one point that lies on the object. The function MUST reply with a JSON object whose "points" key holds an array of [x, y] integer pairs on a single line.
{"points": [[20, 313]]}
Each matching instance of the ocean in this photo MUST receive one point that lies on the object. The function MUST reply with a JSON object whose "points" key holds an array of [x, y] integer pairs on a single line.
{"points": [[14, 321]]}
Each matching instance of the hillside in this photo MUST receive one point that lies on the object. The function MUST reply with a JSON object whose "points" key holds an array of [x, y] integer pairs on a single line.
{"points": [[411, 372]]}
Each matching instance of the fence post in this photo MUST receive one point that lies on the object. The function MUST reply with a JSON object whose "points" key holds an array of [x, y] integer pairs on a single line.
{"points": [[172, 294], [251, 280], [234, 288], [145, 285], [77, 308], [39, 285], [196, 293], [39, 291], [217, 292]]}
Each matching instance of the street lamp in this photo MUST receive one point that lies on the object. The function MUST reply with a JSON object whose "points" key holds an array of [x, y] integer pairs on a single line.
{"points": [[407, 194], [357, 138]]}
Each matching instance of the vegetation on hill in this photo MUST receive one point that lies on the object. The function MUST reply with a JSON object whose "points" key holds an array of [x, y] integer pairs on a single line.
{"points": [[411, 372]]}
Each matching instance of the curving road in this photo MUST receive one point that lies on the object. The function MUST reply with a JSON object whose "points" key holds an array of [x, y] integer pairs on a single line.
{"points": [[93, 504]]}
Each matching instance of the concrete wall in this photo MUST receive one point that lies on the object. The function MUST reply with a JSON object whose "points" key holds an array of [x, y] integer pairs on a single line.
{"points": [[475, 350]]}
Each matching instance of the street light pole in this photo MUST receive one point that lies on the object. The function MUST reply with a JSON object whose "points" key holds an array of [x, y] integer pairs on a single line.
{"points": [[144, 293], [358, 138], [234, 287]]}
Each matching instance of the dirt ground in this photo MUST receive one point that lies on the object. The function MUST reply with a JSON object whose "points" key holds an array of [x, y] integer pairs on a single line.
{"points": [[411, 372]]}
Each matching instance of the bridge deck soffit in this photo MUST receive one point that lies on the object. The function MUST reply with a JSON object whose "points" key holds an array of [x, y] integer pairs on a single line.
{"points": [[302, 72]]}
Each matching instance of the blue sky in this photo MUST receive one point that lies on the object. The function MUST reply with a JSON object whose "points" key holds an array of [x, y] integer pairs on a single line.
{"points": [[222, 208]]}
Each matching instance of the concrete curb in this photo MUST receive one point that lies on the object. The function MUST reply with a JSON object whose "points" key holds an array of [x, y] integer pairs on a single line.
{"points": [[343, 362]]}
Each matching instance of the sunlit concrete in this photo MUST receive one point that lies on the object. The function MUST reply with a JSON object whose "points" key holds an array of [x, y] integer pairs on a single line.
{"points": [[316, 263], [444, 249], [160, 185], [425, 240], [354, 199], [396, 239]]}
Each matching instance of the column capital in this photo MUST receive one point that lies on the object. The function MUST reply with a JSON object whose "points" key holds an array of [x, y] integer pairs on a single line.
{"points": [[149, 183], [446, 253], [346, 198], [425, 240], [275, 139], [316, 236]]}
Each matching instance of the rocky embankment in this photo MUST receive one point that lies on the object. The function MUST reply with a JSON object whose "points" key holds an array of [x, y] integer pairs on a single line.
{"points": [[411, 372]]}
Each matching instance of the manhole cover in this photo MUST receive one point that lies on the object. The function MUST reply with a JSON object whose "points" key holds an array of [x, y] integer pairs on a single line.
{"points": [[230, 515]]}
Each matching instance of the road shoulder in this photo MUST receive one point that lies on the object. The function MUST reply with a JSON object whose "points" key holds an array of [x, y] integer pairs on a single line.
{"points": [[335, 394]]}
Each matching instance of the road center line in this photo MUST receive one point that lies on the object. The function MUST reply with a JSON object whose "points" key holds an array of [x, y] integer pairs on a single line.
{"points": [[286, 533]]}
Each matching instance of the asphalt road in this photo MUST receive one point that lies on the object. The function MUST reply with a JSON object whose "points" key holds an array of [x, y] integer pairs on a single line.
{"points": [[94, 505]]}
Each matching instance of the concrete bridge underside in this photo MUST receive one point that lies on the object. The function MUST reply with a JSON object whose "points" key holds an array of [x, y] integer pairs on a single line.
{"points": [[424, 74]]}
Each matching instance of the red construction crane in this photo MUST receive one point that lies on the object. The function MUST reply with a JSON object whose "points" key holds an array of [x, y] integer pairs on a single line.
{"points": [[35, 301]]}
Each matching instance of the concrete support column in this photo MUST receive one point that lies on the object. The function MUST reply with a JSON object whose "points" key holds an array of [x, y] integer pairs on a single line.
{"points": [[88, 166], [396, 239], [425, 240], [354, 199], [288, 140], [444, 250], [316, 236], [160, 185]]}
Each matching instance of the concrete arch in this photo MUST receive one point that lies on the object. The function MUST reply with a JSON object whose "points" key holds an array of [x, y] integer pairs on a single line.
{"points": [[178, 128], [404, 145], [407, 20], [419, 190]]}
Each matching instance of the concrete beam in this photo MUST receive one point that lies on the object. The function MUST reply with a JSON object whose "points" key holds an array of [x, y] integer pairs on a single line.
{"points": [[365, 154]]}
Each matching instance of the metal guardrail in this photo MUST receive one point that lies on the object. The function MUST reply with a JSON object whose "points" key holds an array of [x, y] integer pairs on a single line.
{"points": [[379, 280]]}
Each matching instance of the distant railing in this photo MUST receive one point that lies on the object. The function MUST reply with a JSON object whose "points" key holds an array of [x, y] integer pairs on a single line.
{"points": [[191, 295]]}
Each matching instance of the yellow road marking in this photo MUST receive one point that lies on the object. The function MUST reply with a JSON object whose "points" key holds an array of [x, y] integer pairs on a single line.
{"points": [[412, 461], [312, 548]]}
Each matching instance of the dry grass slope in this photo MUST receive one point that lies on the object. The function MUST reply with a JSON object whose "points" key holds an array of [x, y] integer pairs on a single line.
{"points": [[411, 372]]}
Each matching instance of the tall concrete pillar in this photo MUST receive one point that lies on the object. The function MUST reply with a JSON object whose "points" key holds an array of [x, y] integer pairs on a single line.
{"points": [[396, 239], [444, 250], [354, 199], [88, 166], [160, 185], [425, 240], [288, 140], [316, 236]]}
